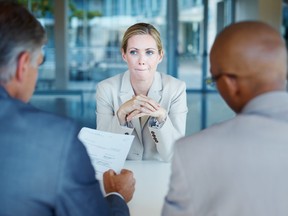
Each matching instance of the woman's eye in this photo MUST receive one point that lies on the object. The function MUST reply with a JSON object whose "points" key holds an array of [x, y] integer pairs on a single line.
{"points": [[149, 52], [133, 52]]}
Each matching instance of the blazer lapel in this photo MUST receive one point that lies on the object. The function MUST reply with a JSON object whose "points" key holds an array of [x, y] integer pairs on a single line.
{"points": [[143, 121], [126, 90], [155, 92], [126, 93]]}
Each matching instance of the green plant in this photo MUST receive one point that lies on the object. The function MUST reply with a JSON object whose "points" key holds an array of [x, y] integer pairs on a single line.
{"points": [[41, 7], [75, 12]]}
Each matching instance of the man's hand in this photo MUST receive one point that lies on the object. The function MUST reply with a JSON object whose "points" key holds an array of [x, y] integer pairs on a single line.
{"points": [[123, 183]]}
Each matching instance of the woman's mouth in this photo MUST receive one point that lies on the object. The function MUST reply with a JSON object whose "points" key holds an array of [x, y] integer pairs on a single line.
{"points": [[140, 69]]}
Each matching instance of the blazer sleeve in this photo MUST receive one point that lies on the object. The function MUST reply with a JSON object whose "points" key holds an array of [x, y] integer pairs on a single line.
{"points": [[177, 200], [106, 118], [118, 205], [78, 190], [175, 124]]}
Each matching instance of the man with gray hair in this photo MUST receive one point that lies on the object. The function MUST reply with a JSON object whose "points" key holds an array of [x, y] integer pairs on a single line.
{"points": [[44, 168]]}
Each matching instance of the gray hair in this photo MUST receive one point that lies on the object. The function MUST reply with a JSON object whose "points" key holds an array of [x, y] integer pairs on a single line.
{"points": [[19, 32]]}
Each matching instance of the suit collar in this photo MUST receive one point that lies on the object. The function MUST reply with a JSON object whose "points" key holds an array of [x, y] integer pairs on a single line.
{"points": [[155, 90], [3, 92], [125, 83], [126, 90], [267, 103]]}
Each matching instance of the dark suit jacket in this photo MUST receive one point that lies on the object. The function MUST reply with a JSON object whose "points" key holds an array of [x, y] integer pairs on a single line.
{"points": [[44, 168]]}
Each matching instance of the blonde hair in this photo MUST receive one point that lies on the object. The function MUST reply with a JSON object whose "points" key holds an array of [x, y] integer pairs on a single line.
{"points": [[141, 29]]}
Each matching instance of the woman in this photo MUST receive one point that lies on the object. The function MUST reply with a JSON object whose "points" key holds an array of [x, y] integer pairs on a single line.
{"points": [[142, 102]]}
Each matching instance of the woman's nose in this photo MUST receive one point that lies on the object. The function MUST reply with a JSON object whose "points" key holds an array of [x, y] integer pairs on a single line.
{"points": [[141, 60]]}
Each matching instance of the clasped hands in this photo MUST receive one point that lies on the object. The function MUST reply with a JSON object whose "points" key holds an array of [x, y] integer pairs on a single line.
{"points": [[139, 106]]}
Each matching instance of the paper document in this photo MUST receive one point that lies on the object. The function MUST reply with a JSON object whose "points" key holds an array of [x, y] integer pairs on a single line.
{"points": [[106, 150]]}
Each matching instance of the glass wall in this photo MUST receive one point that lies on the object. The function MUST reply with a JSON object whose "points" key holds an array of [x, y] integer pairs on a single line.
{"points": [[44, 12], [95, 32], [198, 23], [95, 29]]}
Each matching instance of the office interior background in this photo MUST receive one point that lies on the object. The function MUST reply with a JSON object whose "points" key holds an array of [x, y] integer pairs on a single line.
{"points": [[84, 48]]}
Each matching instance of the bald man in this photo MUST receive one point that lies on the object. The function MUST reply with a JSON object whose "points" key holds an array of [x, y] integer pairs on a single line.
{"points": [[239, 167]]}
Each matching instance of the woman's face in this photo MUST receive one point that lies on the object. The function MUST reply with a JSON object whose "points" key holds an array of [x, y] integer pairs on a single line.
{"points": [[142, 57]]}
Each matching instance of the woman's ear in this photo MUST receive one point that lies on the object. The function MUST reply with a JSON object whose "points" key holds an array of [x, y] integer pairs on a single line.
{"points": [[123, 55], [22, 66], [161, 56]]}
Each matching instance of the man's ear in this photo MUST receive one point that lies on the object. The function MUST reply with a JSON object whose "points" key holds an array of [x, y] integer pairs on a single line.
{"points": [[231, 85], [22, 65], [123, 55], [234, 92]]}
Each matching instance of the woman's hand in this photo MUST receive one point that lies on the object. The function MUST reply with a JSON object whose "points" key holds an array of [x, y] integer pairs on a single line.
{"points": [[139, 106]]}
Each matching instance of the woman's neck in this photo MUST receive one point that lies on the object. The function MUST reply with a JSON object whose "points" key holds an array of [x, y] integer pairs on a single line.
{"points": [[141, 87]]}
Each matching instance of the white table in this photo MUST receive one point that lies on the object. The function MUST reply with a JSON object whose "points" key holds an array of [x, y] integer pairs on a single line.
{"points": [[152, 181]]}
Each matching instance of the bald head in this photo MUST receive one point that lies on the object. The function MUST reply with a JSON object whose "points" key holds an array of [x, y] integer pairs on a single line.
{"points": [[253, 54]]}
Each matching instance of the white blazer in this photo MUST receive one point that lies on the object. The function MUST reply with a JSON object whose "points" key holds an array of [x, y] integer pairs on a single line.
{"points": [[149, 143], [236, 168]]}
